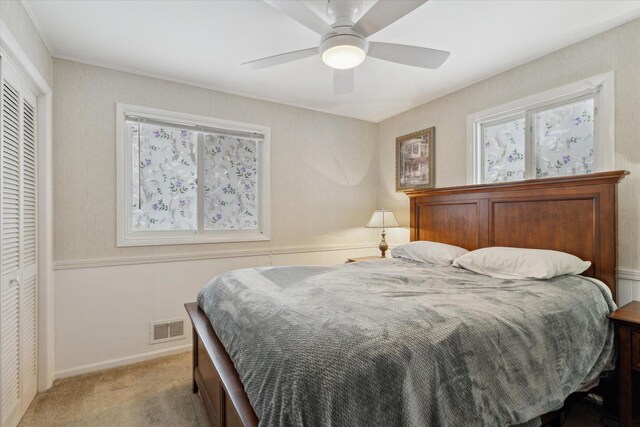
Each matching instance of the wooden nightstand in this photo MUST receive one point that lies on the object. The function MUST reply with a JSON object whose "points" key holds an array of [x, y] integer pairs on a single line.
{"points": [[627, 320], [363, 258]]}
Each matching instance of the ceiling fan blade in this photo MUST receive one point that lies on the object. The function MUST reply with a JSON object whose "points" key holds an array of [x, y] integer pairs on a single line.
{"points": [[385, 13], [343, 81], [415, 56], [282, 58], [301, 13]]}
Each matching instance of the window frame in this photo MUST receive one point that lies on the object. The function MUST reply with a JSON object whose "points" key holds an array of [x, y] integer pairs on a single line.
{"points": [[599, 87], [126, 236]]}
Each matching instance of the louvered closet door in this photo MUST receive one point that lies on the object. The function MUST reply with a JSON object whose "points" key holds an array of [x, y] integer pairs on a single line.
{"points": [[11, 404], [18, 255], [28, 256]]}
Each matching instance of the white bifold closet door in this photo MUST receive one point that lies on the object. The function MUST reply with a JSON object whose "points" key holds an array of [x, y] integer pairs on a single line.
{"points": [[18, 252]]}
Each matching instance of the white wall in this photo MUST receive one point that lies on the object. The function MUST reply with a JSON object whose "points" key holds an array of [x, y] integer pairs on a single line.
{"points": [[103, 313], [617, 50], [628, 286]]}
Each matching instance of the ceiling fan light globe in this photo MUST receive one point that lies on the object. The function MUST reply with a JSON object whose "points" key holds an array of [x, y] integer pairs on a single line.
{"points": [[343, 57], [344, 49]]}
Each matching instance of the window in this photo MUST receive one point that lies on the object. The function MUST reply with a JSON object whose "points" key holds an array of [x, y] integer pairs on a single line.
{"points": [[189, 179], [565, 131]]}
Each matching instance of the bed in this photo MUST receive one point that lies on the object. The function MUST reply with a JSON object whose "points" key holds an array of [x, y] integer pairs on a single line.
{"points": [[570, 214]]}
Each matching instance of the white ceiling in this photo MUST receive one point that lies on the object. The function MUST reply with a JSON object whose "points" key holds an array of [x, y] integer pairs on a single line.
{"points": [[204, 43]]}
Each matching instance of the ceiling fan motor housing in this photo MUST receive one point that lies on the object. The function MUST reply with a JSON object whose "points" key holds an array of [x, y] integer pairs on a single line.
{"points": [[343, 13]]}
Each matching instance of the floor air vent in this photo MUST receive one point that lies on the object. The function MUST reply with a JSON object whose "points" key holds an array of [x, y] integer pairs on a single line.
{"points": [[166, 330]]}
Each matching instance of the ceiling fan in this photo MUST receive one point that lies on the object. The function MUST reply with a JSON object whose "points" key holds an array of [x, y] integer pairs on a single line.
{"points": [[344, 44]]}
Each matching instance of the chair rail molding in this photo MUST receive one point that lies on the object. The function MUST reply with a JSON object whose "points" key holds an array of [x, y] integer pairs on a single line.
{"points": [[242, 253]]}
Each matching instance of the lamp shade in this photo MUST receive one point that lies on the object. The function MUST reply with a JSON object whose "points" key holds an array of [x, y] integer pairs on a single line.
{"points": [[382, 219]]}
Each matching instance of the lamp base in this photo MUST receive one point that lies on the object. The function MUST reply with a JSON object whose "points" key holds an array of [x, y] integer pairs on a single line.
{"points": [[383, 245]]}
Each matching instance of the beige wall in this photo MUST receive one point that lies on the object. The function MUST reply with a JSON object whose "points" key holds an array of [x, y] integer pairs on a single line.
{"points": [[616, 50], [323, 167], [17, 20]]}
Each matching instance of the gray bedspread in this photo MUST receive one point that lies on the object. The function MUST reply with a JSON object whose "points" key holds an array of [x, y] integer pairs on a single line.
{"points": [[399, 343]]}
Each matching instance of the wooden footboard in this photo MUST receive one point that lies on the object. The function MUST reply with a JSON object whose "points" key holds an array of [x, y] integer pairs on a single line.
{"points": [[215, 377]]}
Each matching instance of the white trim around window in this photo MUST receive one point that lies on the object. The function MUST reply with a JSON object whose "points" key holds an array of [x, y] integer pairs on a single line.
{"points": [[126, 236], [600, 87]]}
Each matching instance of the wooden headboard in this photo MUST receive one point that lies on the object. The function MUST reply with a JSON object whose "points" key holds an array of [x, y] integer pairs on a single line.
{"points": [[574, 214]]}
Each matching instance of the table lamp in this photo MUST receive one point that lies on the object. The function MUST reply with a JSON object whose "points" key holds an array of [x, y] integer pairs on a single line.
{"points": [[382, 219]]}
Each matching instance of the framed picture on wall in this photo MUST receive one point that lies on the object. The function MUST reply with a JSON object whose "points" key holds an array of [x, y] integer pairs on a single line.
{"points": [[415, 160]]}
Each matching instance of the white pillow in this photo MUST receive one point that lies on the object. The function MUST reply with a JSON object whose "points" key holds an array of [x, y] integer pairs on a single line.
{"points": [[518, 263], [425, 251]]}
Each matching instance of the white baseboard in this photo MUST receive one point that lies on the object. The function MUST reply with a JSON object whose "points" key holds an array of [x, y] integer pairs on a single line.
{"points": [[121, 361]]}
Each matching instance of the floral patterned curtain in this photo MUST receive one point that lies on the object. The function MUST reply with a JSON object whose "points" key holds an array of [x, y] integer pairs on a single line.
{"points": [[564, 139], [165, 179], [164, 184], [503, 151], [230, 183]]}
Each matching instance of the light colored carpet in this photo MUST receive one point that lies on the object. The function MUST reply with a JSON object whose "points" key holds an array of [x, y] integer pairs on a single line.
{"points": [[155, 393], [152, 393]]}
